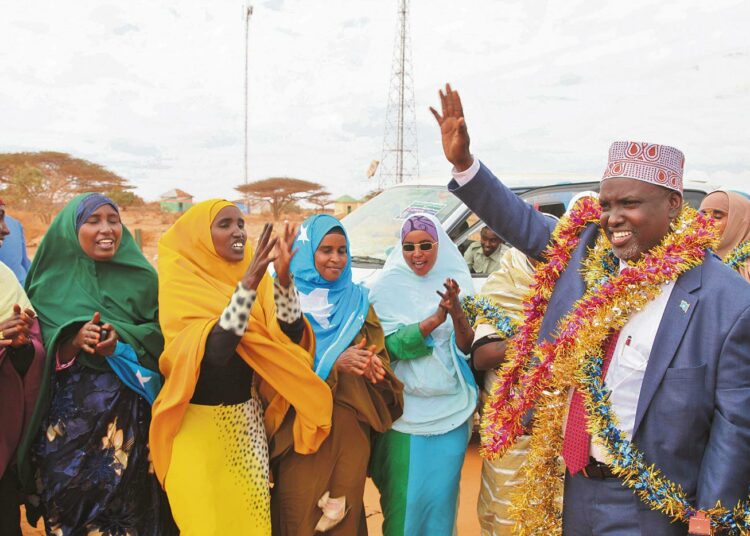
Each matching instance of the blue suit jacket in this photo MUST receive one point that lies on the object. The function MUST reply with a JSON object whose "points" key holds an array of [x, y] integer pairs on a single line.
{"points": [[693, 415]]}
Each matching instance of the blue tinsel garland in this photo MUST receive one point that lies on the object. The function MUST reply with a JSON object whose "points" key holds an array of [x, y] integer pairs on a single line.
{"points": [[476, 307]]}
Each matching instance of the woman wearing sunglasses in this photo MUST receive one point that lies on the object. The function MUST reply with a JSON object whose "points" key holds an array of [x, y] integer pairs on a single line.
{"points": [[429, 339]]}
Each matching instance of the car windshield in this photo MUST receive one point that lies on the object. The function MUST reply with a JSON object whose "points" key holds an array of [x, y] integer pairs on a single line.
{"points": [[374, 227]]}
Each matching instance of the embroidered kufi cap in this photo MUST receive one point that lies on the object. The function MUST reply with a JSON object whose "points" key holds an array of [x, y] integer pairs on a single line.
{"points": [[658, 164]]}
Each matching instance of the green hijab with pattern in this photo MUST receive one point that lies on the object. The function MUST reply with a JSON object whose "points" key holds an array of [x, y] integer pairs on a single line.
{"points": [[66, 287]]}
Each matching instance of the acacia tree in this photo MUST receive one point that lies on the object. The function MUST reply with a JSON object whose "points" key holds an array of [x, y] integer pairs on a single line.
{"points": [[126, 198], [45, 181], [280, 192], [320, 199]]}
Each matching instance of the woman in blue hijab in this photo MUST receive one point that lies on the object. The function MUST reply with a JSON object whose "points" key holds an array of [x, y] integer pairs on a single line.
{"points": [[414, 297], [323, 491]]}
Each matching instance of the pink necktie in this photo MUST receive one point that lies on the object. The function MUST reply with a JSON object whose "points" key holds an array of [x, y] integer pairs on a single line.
{"points": [[577, 440]]}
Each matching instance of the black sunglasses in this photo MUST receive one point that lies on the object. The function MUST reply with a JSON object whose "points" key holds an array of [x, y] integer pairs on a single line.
{"points": [[424, 246]]}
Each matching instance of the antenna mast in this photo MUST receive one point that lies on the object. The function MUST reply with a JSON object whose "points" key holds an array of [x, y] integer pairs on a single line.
{"points": [[400, 159], [248, 14]]}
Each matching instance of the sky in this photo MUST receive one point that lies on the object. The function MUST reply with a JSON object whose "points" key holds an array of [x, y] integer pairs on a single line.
{"points": [[154, 90]]}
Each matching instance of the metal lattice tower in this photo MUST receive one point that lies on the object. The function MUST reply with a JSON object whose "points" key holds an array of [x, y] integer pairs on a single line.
{"points": [[400, 159]]}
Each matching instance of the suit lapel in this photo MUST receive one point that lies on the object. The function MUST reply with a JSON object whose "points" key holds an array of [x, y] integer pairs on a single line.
{"points": [[570, 287], [680, 307]]}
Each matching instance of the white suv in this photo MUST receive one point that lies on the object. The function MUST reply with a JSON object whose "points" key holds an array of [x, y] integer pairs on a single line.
{"points": [[373, 228]]}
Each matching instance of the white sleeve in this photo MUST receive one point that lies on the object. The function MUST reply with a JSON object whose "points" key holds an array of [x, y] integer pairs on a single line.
{"points": [[462, 177]]}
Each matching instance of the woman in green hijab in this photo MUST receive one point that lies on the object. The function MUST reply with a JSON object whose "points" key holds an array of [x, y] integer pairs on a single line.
{"points": [[86, 449]]}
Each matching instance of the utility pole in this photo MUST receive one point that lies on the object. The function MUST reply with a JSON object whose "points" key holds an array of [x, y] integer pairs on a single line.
{"points": [[248, 14], [400, 159]]}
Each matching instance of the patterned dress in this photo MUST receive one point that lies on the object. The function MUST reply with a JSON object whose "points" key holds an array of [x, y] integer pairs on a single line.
{"points": [[218, 473], [94, 475], [218, 476]]}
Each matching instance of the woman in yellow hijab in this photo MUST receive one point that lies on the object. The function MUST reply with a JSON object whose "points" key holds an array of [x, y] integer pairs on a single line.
{"points": [[235, 343]]}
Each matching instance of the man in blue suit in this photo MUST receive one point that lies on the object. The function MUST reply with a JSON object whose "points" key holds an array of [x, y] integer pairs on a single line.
{"points": [[680, 379]]}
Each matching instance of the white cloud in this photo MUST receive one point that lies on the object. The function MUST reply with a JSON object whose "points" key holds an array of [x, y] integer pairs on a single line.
{"points": [[153, 90]]}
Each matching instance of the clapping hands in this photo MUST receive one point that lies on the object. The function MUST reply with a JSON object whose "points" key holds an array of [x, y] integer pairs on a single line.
{"points": [[89, 337], [277, 250], [14, 331], [362, 361], [450, 302]]}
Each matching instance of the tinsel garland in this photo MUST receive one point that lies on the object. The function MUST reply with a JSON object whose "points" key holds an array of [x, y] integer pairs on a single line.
{"points": [[607, 305], [626, 460], [628, 463], [519, 385], [479, 310], [738, 255]]}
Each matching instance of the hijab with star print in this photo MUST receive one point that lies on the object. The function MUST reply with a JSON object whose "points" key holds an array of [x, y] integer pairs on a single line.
{"points": [[336, 309]]}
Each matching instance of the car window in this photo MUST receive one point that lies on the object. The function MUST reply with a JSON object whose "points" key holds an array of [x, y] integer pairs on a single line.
{"points": [[467, 232], [554, 200], [373, 228], [693, 197]]}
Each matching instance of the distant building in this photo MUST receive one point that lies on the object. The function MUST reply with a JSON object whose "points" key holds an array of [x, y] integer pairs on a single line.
{"points": [[175, 200], [346, 205]]}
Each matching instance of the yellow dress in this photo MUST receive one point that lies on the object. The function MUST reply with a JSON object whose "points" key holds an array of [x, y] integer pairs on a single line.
{"points": [[218, 477], [213, 460]]}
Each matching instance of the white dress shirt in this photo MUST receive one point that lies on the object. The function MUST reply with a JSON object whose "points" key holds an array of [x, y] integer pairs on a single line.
{"points": [[462, 177], [628, 366]]}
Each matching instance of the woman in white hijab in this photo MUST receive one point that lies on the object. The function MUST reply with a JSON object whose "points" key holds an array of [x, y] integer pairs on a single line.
{"points": [[429, 355]]}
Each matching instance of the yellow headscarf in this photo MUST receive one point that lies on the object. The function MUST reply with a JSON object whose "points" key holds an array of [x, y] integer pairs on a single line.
{"points": [[195, 285], [12, 293]]}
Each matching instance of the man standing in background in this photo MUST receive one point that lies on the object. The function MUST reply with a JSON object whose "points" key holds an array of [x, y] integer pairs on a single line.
{"points": [[483, 257]]}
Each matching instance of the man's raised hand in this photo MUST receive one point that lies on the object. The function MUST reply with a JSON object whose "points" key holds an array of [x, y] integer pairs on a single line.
{"points": [[453, 129]]}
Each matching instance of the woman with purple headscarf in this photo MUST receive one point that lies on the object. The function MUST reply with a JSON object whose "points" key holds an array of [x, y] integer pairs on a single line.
{"points": [[417, 464]]}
